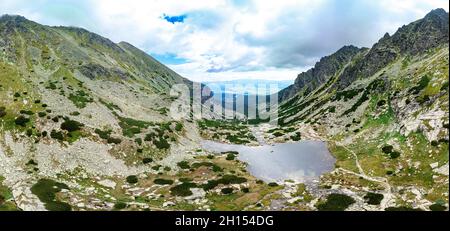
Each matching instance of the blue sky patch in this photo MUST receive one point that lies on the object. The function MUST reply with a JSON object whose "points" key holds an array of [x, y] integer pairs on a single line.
{"points": [[174, 19], [169, 59]]}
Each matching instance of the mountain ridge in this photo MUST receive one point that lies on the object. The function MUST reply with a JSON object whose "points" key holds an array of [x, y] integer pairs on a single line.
{"points": [[432, 30]]}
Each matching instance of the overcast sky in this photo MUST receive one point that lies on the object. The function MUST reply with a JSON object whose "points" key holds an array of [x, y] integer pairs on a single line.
{"points": [[229, 39]]}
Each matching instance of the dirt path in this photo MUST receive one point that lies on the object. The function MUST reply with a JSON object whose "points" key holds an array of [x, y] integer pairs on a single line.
{"points": [[258, 133], [382, 180]]}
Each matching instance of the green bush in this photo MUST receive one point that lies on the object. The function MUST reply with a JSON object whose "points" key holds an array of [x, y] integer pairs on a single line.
{"points": [[211, 184], [179, 127], [147, 160], [346, 95], [373, 198], [297, 136], [401, 209], [156, 167], [387, 149], [273, 184], [71, 125], [423, 83], [120, 205], [394, 155], [278, 134], [112, 140], [58, 206], [216, 168], [227, 191], [57, 135], [21, 121], [231, 179], [75, 113], [444, 86], [103, 134], [183, 165], [245, 190], [2, 112], [225, 180], [381, 103], [437, 207], [183, 189], [185, 180], [138, 141], [230, 156], [42, 114], [25, 112], [163, 181], [336, 202], [161, 144], [132, 179]]}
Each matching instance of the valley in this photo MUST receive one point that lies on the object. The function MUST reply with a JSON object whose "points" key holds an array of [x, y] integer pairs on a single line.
{"points": [[85, 124]]}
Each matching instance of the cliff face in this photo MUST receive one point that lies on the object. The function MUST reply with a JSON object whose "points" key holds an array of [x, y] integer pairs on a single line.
{"points": [[323, 70], [410, 40], [384, 113]]}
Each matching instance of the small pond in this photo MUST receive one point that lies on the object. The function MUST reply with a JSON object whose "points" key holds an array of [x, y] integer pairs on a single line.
{"points": [[301, 161]]}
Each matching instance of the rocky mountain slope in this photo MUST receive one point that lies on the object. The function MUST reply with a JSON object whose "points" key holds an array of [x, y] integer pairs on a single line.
{"points": [[321, 73], [73, 101], [85, 125], [384, 112]]}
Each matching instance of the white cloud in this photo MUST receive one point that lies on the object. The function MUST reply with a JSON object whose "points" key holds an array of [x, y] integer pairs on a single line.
{"points": [[229, 39]]}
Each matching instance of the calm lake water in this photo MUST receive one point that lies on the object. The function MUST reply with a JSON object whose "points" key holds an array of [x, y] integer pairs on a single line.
{"points": [[302, 161]]}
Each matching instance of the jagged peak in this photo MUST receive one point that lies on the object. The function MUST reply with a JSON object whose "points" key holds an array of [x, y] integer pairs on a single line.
{"points": [[437, 12], [348, 48], [13, 18]]}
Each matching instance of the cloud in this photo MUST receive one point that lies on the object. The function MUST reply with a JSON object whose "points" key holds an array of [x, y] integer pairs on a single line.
{"points": [[229, 39]]}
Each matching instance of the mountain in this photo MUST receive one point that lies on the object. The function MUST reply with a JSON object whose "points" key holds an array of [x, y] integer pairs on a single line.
{"points": [[383, 111], [413, 39], [322, 71], [85, 125], [71, 100]]}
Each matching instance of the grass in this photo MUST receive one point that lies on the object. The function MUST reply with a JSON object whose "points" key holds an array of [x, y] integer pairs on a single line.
{"points": [[45, 190], [110, 106], [422, 84], [80, 99], [131, 127], [5, 198]]}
